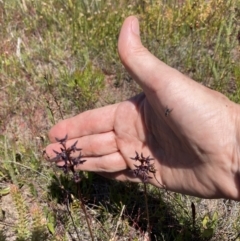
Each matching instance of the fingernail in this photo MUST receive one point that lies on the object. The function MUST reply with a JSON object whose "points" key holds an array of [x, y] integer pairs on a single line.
{"points": [[135, 26]]}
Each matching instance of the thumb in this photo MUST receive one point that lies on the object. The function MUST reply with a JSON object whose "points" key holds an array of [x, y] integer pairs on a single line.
{"points": [[145, 68], [163, 85]]}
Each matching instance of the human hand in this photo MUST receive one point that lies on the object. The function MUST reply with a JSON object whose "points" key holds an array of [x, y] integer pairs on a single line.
{"points": [[191, 131]]}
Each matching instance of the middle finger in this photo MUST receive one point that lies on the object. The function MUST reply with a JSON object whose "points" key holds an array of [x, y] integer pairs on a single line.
{"points": [[91, 145]]}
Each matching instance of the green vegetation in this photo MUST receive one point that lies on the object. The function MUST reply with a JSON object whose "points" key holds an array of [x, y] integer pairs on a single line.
{"points": [[59, 58]]}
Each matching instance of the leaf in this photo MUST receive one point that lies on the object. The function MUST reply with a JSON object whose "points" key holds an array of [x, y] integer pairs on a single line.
{"points": [[51, 223], [215, 216], [205, 221], [214, 220], [1, 174], [4, 191], [51, 228]]}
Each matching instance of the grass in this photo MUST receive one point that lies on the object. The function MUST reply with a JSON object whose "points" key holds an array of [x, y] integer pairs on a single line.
{"points": [[59, 58]]}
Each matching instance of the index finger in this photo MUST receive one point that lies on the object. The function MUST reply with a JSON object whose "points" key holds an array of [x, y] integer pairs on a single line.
{"points": [[90, 122]]}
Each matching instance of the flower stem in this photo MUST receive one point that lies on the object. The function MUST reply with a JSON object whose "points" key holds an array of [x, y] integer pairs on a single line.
{"points": [[85, 211], [147, 212]]}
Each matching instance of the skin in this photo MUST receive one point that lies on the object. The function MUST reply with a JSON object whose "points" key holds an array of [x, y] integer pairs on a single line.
{"points": [[195, 145]]}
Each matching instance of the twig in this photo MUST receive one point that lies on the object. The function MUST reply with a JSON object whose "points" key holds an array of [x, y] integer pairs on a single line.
{"points": [[70, 214], [54, 98], [118, 223]]}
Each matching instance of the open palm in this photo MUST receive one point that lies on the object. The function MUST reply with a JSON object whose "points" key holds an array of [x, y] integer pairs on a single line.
{"points": [[189, 130]]}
